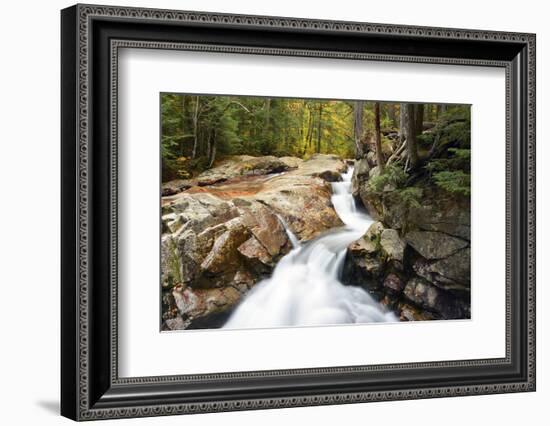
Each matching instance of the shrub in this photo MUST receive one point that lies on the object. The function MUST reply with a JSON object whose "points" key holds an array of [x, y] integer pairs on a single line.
{"points": [[455, 182], [392, 176]]}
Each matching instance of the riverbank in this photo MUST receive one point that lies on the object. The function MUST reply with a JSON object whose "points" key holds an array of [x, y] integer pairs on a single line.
{"points": [[221, 232], [267, 242]]}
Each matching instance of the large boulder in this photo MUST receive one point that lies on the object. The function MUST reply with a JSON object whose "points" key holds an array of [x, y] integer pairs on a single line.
{"points": [[204, 307], [292, 162], [241, 165], [434, 245], [304, 202], [451, 273], [174, 186], [325, 166], [364, 264], [425, 275], [391, 245], [426, 295], [230, 168], [360, 175], [436, 211]]}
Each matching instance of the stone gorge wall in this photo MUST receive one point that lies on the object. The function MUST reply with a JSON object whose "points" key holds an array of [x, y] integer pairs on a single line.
{"points": [[415, 259]]}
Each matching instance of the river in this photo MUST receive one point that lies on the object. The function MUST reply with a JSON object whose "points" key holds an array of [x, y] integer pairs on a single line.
{"points": [[305, 287]]}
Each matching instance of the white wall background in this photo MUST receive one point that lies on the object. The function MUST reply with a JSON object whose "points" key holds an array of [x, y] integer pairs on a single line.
{"points": [[29, 213]]}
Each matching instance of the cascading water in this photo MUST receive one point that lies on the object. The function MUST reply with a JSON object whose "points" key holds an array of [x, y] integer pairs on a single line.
{"points": [[304, 288]]}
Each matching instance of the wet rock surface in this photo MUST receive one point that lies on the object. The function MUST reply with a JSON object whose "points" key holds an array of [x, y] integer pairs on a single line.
{"points": [[224, 232]]}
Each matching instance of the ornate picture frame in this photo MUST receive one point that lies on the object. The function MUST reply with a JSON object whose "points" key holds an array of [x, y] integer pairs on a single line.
{"points": [[91, 37]]}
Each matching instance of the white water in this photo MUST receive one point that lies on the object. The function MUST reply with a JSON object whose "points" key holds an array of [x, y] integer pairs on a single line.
{"points": [[304, 288]]}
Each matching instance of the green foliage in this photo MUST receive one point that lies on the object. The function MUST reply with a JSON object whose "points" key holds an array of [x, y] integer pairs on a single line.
{"points": [[391, 178], [204, 128], [457, 159], [455, 182], [394, 180], [410, 196], [450, 167], [452, 130]]}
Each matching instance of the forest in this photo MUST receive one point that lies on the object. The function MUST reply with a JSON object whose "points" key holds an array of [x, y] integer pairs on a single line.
{"points": [[334, 211], [197, 130]]}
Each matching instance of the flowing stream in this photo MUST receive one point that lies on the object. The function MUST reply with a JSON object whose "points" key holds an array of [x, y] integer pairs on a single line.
{"points": [[305, 288]]}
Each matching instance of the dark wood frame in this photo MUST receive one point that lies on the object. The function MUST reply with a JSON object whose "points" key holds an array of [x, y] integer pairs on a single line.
{"points": [[90, 386]]}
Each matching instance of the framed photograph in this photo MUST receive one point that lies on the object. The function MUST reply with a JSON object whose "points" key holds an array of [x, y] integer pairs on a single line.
{"points": [[263, 212]]}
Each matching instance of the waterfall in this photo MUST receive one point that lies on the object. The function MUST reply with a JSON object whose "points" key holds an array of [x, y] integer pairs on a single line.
{"points": [[305, 288]]}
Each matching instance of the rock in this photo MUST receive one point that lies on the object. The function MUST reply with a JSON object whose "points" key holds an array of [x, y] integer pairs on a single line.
{"points": [[437, 210], [292, 162], [434, 245], [412, 313], [230, 168], [425, 295], [451, 273], [364, 263], [360, 175], [255, 253], [174, 186], [442, 213], [326, 166], [304, 202], [177, 323], [455, 267], [194, 304], [223, 256], [265, 226], [241, 165], [169, 262], [392, 246], [393, 284], [362, 270], [224, 234], [171, 222], [368, 243]]}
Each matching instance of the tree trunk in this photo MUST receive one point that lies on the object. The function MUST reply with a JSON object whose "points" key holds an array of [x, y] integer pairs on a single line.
{"points": [[378, 137], [309, 136], [212, 155], [319, 128], [440, 109], [410, 130], [392, 114], [267, 139], [211, 149], [358, 129], [419, 118], [402, 123], [184, 117], [195, 128]]}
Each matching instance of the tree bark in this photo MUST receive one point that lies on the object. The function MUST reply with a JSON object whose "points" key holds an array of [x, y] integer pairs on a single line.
{"points": [[402, 123], [267, 139], [309, 135], [419, 118], [195, 128], [319, 128], [410, 130], [211, 155], [378, 137], [392, 114], [184, 117], [358, 129]]}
